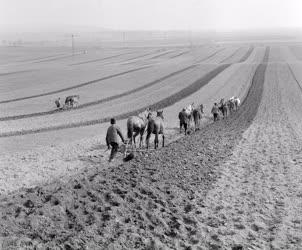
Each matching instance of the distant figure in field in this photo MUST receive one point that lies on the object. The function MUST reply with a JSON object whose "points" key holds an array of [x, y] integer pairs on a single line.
{"points": [[112, 140], [184, 120], [58, 102], [215, 111]]}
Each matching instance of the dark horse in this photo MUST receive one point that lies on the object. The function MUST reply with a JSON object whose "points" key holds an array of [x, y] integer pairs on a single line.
{"points": [[156, 126], [223, 108], [197, 115], [71, 100], [137, 125]]}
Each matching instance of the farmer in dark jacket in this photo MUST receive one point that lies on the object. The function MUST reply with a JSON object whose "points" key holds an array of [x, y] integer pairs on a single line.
{"points": [[183, 120], [215, 111], [112, 138]]}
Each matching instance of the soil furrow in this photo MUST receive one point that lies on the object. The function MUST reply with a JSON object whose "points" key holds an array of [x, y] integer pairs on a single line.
{"points": [[101, 59], [210, 56], [247, 55], [230, 56], [15, 72]]}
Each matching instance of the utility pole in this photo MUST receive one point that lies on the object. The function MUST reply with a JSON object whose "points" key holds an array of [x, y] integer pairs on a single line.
{"points": [[124, 38], [72, 44]]}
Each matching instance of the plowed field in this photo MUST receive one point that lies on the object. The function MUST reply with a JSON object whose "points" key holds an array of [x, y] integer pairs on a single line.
{"points": [[235, 184]]}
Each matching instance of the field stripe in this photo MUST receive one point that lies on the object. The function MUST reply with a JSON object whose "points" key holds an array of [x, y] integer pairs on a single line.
{"points": [[75, 86], [107, 99], [210, 56], [294, 76], [57, 58], [230, 56], [101, 59], [247, 55], [195, 86], [162, 54], [180, 54], [41, 58], [140, 56], [15, 72]]}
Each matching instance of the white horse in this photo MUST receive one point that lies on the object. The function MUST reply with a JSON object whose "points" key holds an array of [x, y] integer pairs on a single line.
{"points": [[189, 111], [237, 102]]}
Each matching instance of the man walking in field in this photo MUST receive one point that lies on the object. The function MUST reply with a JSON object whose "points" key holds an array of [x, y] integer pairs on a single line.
{"points": [[215, 111], [112, 138], [58, 103]]}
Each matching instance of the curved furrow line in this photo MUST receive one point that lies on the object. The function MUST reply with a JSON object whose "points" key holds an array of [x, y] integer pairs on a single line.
{"points": [[15, 72], [41, 58], [140, 56], [247, 55], [210, 56], [76, 86], [107, 99], [101, 59], [294, 76], [57, 58], [230, 56], [180, 54], [195, 86], [162, 54]]}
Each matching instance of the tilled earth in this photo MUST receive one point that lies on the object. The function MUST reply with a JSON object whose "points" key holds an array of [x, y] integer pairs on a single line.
{"points": [[153, 202]]}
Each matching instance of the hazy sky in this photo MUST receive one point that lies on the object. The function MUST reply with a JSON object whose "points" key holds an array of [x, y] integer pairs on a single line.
{"points": [[39, 15]]}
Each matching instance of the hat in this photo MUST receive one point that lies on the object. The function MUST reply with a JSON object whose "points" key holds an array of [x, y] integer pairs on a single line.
{"points": [[112, 121]]}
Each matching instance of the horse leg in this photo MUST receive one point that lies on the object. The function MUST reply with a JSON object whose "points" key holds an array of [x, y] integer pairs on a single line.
{"points": [[134, 136], [141, 138], [147, 139], [163, 140], [156, 140]]}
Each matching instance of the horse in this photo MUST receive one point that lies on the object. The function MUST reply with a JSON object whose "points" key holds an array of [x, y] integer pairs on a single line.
{"points": [[197, 115], [156, 126], [137, 125], [223, 108], [237, 102], [231, 105], [189, 111], [71, 100], [184, 120]]}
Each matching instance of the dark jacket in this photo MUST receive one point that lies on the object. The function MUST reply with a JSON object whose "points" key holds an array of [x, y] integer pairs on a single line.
{"points": [[215, 109], [183, 117], [112, 135]]}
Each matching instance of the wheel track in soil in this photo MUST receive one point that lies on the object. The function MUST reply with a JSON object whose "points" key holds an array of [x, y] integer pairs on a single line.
{"points": [[159, 194], [110, 98]]}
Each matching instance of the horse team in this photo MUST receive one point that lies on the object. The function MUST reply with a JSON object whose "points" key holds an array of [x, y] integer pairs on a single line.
{"points": [[190, 116]]}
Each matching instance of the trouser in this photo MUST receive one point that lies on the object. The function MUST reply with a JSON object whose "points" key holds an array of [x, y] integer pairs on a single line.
{"points": [[114, 149], [215, 116], [183, 124]]}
